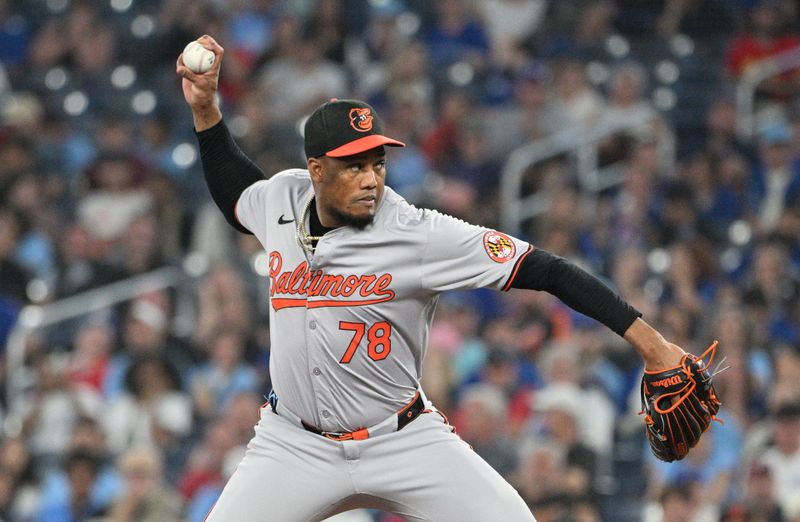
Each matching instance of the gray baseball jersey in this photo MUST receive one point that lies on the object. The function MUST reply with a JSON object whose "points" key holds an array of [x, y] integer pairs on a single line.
{"points": [[349, 333], [351, 321]]}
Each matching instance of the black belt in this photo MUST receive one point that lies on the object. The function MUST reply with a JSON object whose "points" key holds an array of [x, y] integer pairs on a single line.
{"points": [[409, 412]]}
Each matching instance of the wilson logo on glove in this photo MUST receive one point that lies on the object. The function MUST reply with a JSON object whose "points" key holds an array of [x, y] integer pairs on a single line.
{"points": [[668, 382]]}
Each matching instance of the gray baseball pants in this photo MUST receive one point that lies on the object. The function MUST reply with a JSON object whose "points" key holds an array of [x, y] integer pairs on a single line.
{"points": [[423, 472]]}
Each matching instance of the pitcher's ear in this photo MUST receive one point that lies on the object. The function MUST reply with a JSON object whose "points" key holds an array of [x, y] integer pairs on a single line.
{"points": [[316, 169]]}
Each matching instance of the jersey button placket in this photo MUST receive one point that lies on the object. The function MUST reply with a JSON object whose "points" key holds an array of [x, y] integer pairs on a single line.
{"points": [[312, 339], [314, 335]]}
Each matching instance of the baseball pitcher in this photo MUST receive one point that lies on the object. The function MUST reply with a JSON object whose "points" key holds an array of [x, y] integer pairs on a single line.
{"points": [[355, 273]]}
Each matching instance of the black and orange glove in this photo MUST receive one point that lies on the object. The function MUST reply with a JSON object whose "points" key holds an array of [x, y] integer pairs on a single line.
{"points": [[679, 404]]}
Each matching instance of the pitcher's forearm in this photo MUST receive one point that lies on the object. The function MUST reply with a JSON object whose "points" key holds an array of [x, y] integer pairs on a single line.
{"points": [[206, 117], [656, 351]]}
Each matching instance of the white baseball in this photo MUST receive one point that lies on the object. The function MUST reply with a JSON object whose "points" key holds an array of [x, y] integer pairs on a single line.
{"points": [[197, 58]]}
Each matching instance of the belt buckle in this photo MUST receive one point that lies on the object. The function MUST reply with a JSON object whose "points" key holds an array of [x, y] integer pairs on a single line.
{"points": [[361, 434]]}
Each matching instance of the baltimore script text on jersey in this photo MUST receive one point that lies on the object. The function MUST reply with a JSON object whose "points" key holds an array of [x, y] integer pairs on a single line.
{"points": [[316, 283]]}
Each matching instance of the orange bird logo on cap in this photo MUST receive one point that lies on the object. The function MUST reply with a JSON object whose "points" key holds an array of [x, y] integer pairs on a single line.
{"points": [[361, 119]]}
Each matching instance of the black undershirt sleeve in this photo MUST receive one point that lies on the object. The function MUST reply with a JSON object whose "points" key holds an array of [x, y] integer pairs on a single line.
{"points": [[227, 170], [581, 291]]}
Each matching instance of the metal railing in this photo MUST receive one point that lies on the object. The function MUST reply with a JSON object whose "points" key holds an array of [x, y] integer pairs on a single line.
{"points": [[36, 317], [582, 146], [752, 77]]}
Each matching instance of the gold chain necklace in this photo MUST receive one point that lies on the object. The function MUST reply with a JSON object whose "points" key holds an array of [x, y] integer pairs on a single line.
{"points": [[305, 239]]}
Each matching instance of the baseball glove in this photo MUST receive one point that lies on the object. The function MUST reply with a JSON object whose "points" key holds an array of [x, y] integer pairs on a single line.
{"points": [[679, 404]]}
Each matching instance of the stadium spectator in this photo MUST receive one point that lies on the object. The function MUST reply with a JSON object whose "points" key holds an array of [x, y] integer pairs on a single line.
{"points": [[782, 456], [385, 55], [242, 414], [720, 192], [145, 332], [530, 116], [75, 503], [88, 436], [629, 111], [26, 192], [153, 411], [141, 250], [411, 173], [13, 276], [214, 384], [675, 503], [481, 423], [146, 498], [251, 27], [296, 83], [328, 23], [91, 355], [203, 500], [758, 502], [580, 31], [700, 19], [720, 131], [87, 439], [744, 382], [564, 378], [17, 154], [457, 35], [772, 283], [775, 181], [222, 305], [508, 23], [575, 95], [560, 409], [52, 408], [80, 265], [206, 465], [540, 471], [115, 199], [172, 220], [7, 494], [709, 468], [767, 37], [56, 41], [21, 476]]}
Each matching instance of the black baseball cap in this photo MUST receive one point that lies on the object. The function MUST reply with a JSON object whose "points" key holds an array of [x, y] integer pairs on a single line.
{"points": [[344, 127]]}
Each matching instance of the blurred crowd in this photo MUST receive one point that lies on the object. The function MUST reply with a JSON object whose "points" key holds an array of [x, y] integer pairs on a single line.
{"points": [[140, 411]]}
